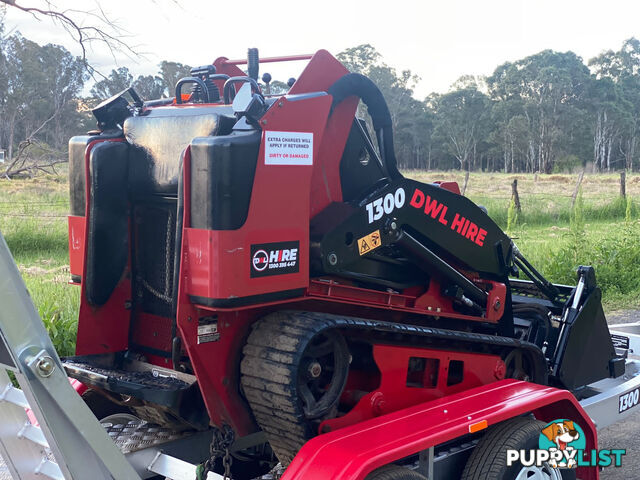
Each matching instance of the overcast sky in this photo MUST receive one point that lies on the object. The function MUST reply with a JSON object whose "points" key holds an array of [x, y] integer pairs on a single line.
{"points": [[439, 41]]}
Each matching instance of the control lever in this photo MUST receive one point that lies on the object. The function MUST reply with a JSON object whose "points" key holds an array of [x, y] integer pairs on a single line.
{"points": [[250, 105]]}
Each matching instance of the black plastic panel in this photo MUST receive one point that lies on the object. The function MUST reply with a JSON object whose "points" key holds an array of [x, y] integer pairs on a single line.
{"points": [[433, 215], [242, 301], [77, 188], [108, 234], [159, 138], [222, 172]]}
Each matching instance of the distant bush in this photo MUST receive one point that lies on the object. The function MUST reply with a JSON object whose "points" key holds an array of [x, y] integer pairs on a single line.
{"points": [[567, 164]]}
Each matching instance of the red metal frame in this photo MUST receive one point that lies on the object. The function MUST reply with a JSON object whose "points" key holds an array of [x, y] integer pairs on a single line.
{"points": [[429, 302], [352, 452], [394, 392], [451, 186], [76, 244], [272, 217]]}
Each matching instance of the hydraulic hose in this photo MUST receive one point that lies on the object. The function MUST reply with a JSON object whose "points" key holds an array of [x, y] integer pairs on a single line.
{"points": [[355, 84]]}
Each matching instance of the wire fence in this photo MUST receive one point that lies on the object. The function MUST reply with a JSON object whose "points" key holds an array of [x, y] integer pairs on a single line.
{"points": [[45, 202], [41, 209], [50, 209], [28, 215]]}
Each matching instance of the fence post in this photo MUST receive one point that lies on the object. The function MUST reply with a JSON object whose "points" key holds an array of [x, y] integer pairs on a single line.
{"points": [[575, 190], [623, 185], [466, 182], [514, 194]]}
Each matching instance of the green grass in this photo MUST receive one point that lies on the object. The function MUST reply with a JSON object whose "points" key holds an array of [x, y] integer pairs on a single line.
{"points": [[612, 248], [33, 222], [607, 235], [537, 211]]}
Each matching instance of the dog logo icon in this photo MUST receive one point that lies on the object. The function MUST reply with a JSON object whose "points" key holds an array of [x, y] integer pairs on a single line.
{"points": [[564, 437]]}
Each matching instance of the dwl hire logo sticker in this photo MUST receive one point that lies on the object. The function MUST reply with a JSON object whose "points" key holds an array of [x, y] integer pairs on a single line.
{"points": [[274, 258]]}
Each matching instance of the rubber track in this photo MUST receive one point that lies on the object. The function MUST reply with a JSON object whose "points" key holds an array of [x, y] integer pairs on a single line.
{"points": [[274, 350]]}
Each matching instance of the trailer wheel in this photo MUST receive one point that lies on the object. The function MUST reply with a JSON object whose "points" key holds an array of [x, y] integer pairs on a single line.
{"points": [[101, 407], [488, 461], [394, 472]]}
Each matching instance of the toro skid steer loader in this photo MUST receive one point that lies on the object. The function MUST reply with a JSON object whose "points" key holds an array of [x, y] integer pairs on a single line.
{"points": [[260, 285]]}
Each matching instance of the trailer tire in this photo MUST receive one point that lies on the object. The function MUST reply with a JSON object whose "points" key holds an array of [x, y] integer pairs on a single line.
{"points": [[488, 461], [101, 406], [394, 472]]}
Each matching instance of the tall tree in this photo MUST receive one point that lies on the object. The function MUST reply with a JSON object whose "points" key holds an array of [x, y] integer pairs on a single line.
{"points": [[85, 26], [360, 59], [171, 72], [622, 68], [548, 87], [65, 76], [610, 120], [149, 87], [460, 116], [37, 101], [411, 122], [117, 81]]}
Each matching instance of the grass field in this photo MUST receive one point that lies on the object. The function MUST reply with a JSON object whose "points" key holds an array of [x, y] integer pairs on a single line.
{"points": [[603, 231], [33, 222]]}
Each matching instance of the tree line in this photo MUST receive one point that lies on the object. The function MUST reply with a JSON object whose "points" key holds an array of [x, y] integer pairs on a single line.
{"points": [[42, 103], [546, 112]]}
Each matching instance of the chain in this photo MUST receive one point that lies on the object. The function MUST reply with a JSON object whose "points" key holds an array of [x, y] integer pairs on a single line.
{"points": [[219, 447]]}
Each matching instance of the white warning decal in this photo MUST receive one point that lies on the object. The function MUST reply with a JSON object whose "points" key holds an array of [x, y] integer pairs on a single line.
{"points": [[288, 148]]}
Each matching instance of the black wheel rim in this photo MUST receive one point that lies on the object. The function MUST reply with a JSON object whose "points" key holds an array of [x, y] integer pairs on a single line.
{"points": [[323, 373]]}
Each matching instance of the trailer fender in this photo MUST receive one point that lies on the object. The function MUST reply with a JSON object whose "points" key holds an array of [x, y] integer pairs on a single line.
{"points": [[352, 452]]}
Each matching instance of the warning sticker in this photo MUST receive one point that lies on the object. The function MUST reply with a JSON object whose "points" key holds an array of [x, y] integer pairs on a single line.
{"points": [[369, 242], [288, 148], [208, 333]]}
